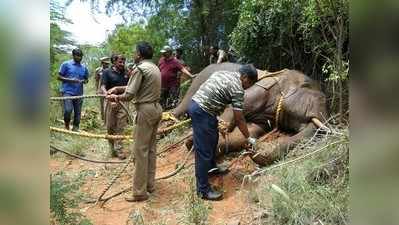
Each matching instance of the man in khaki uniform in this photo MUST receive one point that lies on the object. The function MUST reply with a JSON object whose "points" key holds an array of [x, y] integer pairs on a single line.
{"points": [[144, 90], [98, 75], [115, 116]]}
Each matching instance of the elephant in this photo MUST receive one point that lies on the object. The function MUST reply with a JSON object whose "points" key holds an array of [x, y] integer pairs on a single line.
{"points": [[287, 101]]}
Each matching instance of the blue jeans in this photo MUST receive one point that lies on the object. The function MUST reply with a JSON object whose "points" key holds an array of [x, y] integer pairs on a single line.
{"points": [[76, 106], [205, 138]]}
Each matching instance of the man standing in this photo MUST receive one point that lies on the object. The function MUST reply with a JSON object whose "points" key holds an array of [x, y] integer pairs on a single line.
{"points": [[115, 116], [98, 76], [144, 89], [73, 74], [169, 67], [217, 55], [221, 88]]}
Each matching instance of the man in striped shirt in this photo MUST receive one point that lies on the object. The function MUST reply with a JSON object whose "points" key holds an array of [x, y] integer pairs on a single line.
{"points": [[221, 88]]}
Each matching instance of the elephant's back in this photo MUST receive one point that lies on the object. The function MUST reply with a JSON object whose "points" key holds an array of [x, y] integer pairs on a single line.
{"points": [[199, 80]]}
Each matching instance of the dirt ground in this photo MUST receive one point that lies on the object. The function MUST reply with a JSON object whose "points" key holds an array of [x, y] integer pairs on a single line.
{"points": [[167, 204]]}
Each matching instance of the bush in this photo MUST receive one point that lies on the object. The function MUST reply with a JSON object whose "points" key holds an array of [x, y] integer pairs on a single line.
{"points": [[313, 190]]}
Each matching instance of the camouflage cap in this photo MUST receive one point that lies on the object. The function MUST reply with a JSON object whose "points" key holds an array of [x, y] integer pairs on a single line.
{"points": [[105, 60], [166, 48]]}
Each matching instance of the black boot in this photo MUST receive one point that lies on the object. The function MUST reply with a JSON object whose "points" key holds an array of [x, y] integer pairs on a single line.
{"points": [[211, 195]]}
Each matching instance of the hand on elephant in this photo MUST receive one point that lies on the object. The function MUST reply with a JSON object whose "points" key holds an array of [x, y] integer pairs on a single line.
{"points": [[251, 142], [223, 127]]}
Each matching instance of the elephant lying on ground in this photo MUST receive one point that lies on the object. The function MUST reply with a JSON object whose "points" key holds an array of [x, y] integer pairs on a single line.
{"points": [[286, 100]]}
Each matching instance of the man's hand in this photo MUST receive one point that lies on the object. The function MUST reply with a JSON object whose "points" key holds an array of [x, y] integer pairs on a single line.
{"points": [[251, 142], [112, 98], [113, 90]]}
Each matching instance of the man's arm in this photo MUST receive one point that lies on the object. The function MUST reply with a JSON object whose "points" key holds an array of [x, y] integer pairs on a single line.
{"points": [[185, 71], [86, 76], [221, 57], [65, 79], [116, 90], [103, 89], [130, 90], [241, 123]]}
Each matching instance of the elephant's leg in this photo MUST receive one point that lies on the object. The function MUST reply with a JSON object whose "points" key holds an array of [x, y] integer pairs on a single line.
{"points": [[268, 152], [235, 140]]}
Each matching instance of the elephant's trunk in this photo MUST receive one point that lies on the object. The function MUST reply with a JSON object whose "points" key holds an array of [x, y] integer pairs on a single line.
{"points": [[268, 152]]}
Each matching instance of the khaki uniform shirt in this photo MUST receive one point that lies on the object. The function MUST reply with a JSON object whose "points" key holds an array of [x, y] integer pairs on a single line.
{"points": [[145, 83]]}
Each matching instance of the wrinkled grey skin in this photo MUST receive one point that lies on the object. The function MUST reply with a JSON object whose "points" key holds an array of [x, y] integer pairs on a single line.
{"points": [[302, 101]]}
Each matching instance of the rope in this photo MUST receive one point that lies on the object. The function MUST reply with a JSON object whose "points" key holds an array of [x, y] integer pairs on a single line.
{"points": [[75, 97], [279, 109], [91, 135], [271, 74], [178, 169], [117, 162], [167, 148], [166, 129], [267, 74], [113, 137], [131, 159], [181, 167], [84, 159]]}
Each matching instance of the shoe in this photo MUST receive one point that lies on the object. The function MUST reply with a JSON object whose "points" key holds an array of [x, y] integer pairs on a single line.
{"points": [[218, 170], [211, 195], [76, 129], [151, 190], [137, 198]]}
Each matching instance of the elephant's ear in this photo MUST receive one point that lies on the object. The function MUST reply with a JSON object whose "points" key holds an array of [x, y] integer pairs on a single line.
{"points": [[310, 83]]}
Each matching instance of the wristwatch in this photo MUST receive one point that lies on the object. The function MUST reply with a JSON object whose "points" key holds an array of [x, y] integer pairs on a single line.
{"points": [[251, 140]]}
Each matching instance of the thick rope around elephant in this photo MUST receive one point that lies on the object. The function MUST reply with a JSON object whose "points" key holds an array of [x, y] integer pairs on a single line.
{"points": [[115, 137]]}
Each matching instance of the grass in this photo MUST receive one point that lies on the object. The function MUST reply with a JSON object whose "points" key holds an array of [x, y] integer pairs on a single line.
{"points": [[196, 211], [64, 199], [312, 191]]}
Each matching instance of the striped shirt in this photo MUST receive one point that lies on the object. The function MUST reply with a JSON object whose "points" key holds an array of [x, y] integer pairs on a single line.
{"points": [[221, 88]]}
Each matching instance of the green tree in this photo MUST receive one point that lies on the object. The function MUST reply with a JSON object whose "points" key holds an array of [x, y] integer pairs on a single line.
{"points": [[308, 35], [125, 38]]}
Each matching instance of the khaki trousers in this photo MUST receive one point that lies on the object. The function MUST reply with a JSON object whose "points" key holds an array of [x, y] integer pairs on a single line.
{"points": [[147, 121], [115, 121]]}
